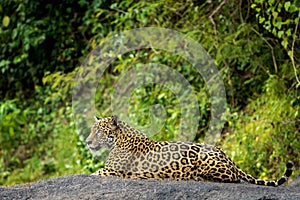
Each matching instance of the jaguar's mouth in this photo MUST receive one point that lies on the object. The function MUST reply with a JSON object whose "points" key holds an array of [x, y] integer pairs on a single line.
{"points": [[94, 148]]}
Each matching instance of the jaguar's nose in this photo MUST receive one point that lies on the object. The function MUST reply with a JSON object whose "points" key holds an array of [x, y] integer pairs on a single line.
{"points": [[88, 142]]}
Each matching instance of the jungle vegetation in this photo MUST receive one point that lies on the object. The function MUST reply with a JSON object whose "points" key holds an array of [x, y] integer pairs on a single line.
{"points": [[254, 44]]}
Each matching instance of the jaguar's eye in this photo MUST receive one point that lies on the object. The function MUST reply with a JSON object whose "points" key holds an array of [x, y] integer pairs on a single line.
{"points": [[98, 133]]}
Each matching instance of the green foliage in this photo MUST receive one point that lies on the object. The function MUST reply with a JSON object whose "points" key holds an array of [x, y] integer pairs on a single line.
{"points": [[12, 122], [282, 18], [145, 98], [37, 37], [266, 132], [254, 44], [32, 143], [279, 18]]}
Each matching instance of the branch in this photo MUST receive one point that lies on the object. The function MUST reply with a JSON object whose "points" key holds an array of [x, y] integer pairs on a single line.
{"points": [[213, 13], [292, 51], [270, 46]]}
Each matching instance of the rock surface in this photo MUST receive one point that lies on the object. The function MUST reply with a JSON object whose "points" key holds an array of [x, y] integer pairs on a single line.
{"points": [[91, 187]]}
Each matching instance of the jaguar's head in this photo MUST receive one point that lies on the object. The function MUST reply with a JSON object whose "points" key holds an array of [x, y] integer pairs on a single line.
{"points": [[103, 133]]}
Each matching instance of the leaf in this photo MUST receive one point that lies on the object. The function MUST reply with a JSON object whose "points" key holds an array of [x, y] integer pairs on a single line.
{"points": [[275, 14], [91, 60], [287, 5], [278, 25], [280, 34], [290, 53], [284, 43], [4, 63], [293, 8], [271, 2], [253, 5], [261, 19], [5, 21]]}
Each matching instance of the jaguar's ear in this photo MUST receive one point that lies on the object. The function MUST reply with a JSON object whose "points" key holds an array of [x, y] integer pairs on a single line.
{"points": [[115, 122], [96, 118]]}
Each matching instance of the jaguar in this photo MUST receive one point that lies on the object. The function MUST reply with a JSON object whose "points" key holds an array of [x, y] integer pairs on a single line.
{"points": [[133, 155]]}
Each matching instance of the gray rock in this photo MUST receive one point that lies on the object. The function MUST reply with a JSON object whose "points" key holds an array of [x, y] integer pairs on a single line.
{"points": [[92, 187]]}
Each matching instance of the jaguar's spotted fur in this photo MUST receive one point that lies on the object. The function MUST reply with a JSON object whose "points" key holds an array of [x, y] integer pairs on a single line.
{"points": [[133, 155]]}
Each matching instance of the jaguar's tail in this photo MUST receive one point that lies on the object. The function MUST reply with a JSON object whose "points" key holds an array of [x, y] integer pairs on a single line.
{"points": [[288, 172]]}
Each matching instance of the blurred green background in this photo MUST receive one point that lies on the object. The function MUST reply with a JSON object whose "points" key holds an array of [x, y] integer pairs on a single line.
{"points": [[255, 45]]}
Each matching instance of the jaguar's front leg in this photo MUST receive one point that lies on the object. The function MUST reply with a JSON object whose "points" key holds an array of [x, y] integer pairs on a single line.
{"points": [[105, 172]]}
